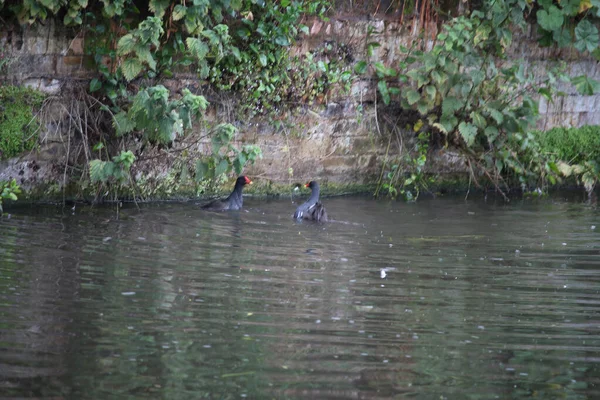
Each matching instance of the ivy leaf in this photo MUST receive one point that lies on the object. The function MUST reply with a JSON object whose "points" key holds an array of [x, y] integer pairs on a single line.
{"points": [[586, 36], [585, 85], [550, 20], [222, 167], [468, 132], [131, 68], [412, 96], [383, 89]]}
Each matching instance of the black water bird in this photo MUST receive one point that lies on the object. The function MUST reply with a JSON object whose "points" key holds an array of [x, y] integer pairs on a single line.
{"points": [[235, 200], [312, 210]]}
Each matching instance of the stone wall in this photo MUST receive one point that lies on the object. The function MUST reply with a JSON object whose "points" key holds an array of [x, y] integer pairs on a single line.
{"points": [[332, 142]]}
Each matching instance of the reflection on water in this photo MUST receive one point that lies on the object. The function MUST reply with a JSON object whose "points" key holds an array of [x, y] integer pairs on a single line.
{"points": [[439, 299]]}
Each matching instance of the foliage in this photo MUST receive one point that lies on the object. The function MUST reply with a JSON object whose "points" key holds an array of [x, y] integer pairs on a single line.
{"points": [[18, 127], [160, 119], [115, 171], [469, 97], [224, 156], [407, 176], [573, 152], [573, 145], [8, 191], [568, 23], [240, 45]]}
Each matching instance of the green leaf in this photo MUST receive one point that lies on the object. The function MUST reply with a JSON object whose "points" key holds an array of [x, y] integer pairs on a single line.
{"points": [[497, 115], [179, 11], [98, 146], [203, 170], [282, 41], [478, 120], [423, 107], [547, 93], [570, 7], [412, 96], [123, 124], [239, 162], [97, 171], [197, 48], [131, 68], [468, 132], [586, 36], [439, 77], [551, 19], [585, 85], [360, 67], [221, 168], [263, 59], [371, 46], [562, 37], [383, 89], [449, 122], [491, 132], [236, 53], [158, 7], [450, 105], [596, 4], [144, 55], [126, 44], [95, 85], [431, 91]]}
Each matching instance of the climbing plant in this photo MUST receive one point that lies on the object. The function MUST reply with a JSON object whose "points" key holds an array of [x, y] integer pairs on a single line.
{"points": [[468, 96], [8, 191]]}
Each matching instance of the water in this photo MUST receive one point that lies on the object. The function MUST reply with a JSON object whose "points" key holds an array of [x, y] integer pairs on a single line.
{"points": [[441, 299]]}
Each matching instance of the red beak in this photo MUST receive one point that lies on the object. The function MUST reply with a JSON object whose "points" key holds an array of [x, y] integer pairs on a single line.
{"points": [[248, 181], [307, 185]]}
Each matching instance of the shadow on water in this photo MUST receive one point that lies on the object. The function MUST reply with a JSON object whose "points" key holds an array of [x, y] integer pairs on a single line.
{"points": [[443, 298]]}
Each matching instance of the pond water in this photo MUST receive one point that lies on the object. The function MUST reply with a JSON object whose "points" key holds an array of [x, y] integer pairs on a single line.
{"points": [[439, 299]]}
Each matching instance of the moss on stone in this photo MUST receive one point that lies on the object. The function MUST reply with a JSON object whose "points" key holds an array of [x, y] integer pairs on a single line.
{"points": [[18, 127]]}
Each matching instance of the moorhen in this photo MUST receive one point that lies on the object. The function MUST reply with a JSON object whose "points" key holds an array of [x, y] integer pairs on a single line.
{"points": [[235, 199], [312, 210]]}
